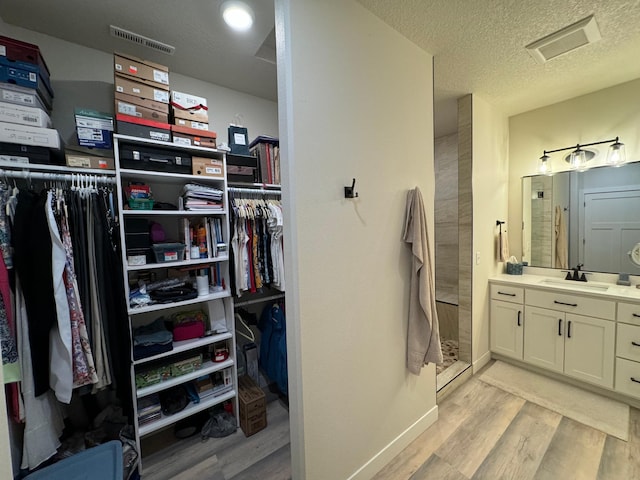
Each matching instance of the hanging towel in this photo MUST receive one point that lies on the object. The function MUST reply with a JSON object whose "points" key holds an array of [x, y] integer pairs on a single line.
{"points": [[562, 249], [503, 245], [423, 336]]}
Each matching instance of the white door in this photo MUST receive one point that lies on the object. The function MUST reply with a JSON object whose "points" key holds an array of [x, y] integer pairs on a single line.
{"points": [[544, 332], [611, 228], [589, 349], [506, 329]]}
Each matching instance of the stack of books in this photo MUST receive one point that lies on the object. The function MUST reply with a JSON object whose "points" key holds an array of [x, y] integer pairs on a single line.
{"points": [[149, 409], [201, 197]]}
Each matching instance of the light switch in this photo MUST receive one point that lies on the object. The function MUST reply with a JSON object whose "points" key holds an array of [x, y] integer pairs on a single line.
{"points": [[477, 258]]}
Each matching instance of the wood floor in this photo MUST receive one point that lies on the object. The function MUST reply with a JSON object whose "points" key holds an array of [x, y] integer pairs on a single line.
{"points": [[482, 432], [264, 455], [486, 433]]}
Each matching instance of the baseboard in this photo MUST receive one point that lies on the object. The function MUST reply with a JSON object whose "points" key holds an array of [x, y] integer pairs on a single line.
{"points": [[481, 362], [384, 456]]}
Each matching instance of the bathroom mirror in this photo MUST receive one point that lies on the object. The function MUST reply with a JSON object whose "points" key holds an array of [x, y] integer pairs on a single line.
{"points": [[590, 217]]}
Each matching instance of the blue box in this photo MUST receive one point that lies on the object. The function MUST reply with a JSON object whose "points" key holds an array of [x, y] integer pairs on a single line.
{"points": [[94, 129], [29, 78]]}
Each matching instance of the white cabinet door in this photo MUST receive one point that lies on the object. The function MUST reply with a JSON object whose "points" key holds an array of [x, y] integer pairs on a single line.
{"points": [[544, 332], [506, 329], [589, 349]]}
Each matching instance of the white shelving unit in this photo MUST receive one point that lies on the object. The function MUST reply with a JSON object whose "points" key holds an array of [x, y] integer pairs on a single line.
{"points": [[166, 187]]}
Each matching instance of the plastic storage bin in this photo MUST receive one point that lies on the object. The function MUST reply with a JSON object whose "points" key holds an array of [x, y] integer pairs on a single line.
{"points": [[168, 252], [103, 462]]}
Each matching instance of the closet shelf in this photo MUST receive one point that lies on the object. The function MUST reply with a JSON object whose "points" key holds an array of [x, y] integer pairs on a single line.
{"points": [[192, 301], [205, 369], [36, 167], [192, 408], [169, 145], [271, 186], [185, 345], [167, 177], [182, 263], [173, 213]]}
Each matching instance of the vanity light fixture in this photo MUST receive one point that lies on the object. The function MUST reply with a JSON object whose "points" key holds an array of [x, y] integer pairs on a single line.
{"points": [[238, 15], [580, 156]]}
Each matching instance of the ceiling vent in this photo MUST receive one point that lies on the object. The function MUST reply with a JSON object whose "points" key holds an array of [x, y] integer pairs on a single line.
{"points": [[141, 40], [565, 40]]}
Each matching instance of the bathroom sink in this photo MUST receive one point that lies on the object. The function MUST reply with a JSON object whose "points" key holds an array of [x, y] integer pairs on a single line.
{"points": [[586, 287]]}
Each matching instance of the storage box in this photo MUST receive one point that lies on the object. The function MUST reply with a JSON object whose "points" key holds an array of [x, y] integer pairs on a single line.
{"points": [[141, 157], [23, 115], [89, 161], [152, 376], [43, 75], [188, 365], [25, 135], [189, 107], [126, 108], [193, 137], [94, 128], [138, 127], [208, 167], [181, 122], [134, 67], [28, 79], [15, 94], [514, 268], [242, 168], [168, 252], [12, 152], [163, 108], [252, 406], [18, 50], [141, 88]]}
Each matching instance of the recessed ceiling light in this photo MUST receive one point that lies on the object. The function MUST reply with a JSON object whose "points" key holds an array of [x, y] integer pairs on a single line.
{"points": [[238, 15]]}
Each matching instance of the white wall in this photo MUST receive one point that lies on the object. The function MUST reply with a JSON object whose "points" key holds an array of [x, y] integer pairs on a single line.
{"points": [[490, 198], [83, 77], [589, 118], [359, 104]]}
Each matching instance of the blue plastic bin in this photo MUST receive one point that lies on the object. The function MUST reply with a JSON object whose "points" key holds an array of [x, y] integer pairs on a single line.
{"points": [[103, 462]]}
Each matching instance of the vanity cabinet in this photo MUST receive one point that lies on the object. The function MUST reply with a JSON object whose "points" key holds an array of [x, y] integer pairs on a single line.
{"points": [[506, 327], [573, 334], [628, 350]]}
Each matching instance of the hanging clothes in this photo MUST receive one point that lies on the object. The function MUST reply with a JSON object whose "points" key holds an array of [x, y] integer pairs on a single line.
{"points": [[256, 243], [423, 336], [273, 345]]}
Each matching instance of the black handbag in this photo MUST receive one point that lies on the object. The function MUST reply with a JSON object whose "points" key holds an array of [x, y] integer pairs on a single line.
{"points": [[173, 400]]}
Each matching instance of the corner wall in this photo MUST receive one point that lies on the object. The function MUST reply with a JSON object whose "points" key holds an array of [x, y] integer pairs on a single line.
{"points": [[588, 118], [490, 203], [356, 102]]}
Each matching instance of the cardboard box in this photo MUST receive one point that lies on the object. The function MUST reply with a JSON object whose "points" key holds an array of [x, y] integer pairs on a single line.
{"points": [[89, 161], [138, 127], [252, 406], [94, 128], [189, 107], [26, 135], [134, 67], [181, 122], [143, 102], [24, 115], [17, 95], [141, 88], [43, 75], [126, 108], [207, 167], [191, 137]]}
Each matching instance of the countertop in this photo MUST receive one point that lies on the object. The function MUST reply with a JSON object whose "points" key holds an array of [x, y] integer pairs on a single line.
{"points": [[558, 284]]}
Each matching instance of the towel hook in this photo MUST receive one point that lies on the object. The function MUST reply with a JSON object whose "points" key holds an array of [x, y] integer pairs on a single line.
{"points": [[349, 192]]}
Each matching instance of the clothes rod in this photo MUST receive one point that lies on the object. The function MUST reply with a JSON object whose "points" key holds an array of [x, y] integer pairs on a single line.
{"points": [[57, 177], [260, 191], [259, 300]]}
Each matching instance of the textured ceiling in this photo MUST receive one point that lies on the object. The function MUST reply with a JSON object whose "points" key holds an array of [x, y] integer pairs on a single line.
{"points": [[478, 44], [479, 48]]}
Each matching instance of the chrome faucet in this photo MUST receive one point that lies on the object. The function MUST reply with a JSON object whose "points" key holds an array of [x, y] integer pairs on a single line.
{"points": [[575, 276]]}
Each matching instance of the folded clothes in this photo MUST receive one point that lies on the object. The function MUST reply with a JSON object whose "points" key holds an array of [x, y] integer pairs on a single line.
{"points": [[144, 351], [152, 334]]}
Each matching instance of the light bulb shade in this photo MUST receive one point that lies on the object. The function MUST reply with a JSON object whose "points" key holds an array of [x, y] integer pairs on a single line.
{"points": [[544, 164], [616, 155], [578, 159], [238, 15]]}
